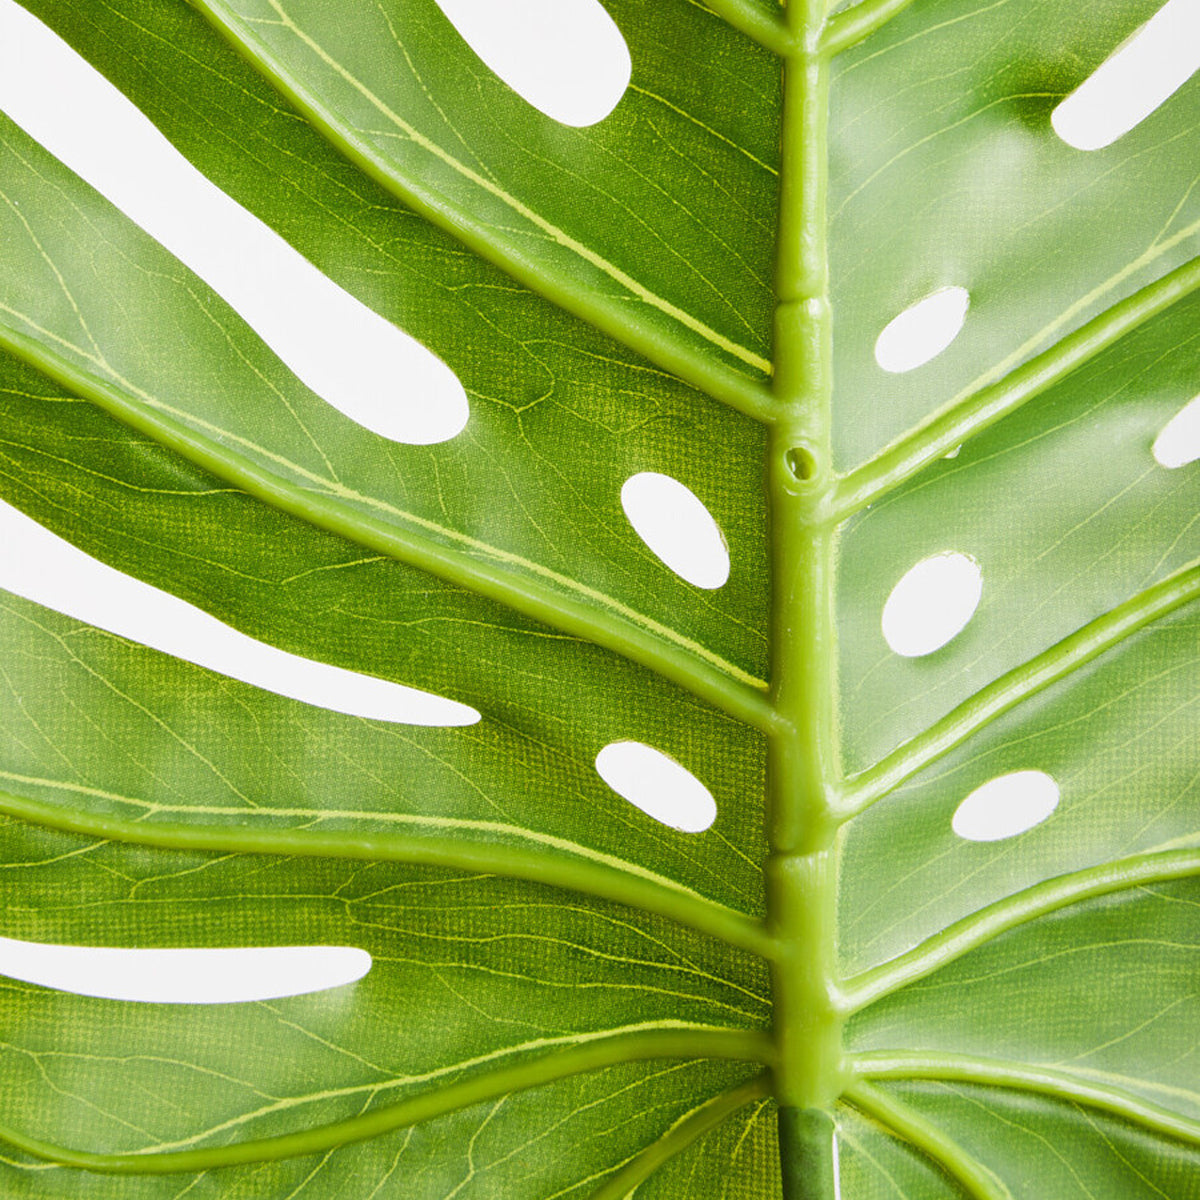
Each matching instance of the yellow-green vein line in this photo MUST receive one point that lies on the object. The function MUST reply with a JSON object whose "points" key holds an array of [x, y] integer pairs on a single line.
{"points": [[1028, 1077], [903, 1121], [543, 859], [562, 1064], [1138, 870], [685, 1132]]}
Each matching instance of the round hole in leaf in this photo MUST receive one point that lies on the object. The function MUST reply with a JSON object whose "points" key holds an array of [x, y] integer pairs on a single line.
{"points": [[675, 524], [932, 603], [1005, 806]]}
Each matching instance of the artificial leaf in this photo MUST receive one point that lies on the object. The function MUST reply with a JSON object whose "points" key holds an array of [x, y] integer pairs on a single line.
{"points": [[830, 991]]}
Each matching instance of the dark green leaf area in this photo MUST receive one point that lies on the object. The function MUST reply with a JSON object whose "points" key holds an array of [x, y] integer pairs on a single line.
{"points": [[875, 1165], [1042, 1148], [100, 728], [558, 1140], [1103, 992], [1065, 510], [1119, 740], [533, 484], [946, 171], [470, 974]]}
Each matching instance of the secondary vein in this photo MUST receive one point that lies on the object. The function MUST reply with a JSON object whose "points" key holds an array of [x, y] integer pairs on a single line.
{"points": [[1019, 684], [996, 394], [1028, 1077], [903, 1121], [1022, 907], [601, 1052], [425, 840]]}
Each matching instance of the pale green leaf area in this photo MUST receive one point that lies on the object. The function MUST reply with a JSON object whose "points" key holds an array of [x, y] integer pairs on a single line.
{"points": [[829, 992]]}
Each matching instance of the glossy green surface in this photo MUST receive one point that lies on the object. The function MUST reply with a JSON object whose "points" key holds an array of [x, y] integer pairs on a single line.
{"points": [[567, 997]]}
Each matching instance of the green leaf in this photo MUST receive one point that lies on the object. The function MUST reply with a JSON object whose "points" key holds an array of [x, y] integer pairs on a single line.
{"points": [[568, 997]]}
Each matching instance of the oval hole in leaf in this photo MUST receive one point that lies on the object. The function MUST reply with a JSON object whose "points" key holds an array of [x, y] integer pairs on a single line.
{"points": [[362, 365], [921, 332], [203, 976], [1136, 79], [42, 567], [932, 603], [658, 785], [672, 520], [1179, 441], [1005, 806], [565, 57]]}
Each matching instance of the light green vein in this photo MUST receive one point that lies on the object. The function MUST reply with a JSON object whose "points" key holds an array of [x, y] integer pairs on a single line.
{"points": [[1010, 384], [746, 393], [749, 18], [913, 1128], [566, 1061], [511, 851], [988, 923], [1052, 665], [850, 27], [519, 583], [685, 1132], [708, 129], [1028, 1077]]}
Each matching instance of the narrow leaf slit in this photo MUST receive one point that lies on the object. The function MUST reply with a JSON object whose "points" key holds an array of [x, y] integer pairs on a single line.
{"points": [[359, 363], [180, 976], [42, 567], [1137, 79]]}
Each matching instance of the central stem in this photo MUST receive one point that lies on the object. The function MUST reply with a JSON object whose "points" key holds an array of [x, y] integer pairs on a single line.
{"points": [[803, 772]]}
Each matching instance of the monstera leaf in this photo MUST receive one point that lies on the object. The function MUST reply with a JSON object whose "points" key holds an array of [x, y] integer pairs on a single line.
{"points": [[940, 938]]}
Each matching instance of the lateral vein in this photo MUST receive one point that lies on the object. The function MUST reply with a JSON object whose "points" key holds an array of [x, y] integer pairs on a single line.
{"points": [[995, 395], [748, 394], [857, 23], [685, 1132], [1003, 694], [1137, 870], [543, 859], [597, 1052], [589, 614], [1028, 1077], [747, 17], [904, 1122]]}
